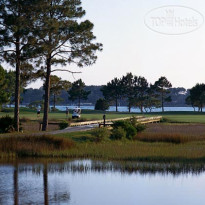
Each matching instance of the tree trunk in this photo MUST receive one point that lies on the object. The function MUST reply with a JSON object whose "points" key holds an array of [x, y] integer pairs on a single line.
{"points": [[129, 108], [54, 102], [141, 109], [17, 87], [116, 104], [162, 103], [47, 95], [79, 102]]}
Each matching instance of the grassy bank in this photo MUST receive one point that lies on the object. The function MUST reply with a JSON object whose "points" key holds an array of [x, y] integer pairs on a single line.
{"points": [[147, 146]]}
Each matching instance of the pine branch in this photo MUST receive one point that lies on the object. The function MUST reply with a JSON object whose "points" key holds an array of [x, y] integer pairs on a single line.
{"points": [[65, 71]]}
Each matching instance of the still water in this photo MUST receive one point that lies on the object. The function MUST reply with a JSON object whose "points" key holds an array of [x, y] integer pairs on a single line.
{"points": [[101, 183], [134, 110]]}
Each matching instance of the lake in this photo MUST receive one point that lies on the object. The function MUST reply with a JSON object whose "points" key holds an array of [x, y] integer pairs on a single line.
{"points": [[125, 109], [101, 183]]}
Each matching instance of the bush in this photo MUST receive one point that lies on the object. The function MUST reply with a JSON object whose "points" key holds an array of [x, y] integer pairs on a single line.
{"points": [[6, 124], [140, 127], [63, 125], [118, 134], [100, 133], [130, 130]]}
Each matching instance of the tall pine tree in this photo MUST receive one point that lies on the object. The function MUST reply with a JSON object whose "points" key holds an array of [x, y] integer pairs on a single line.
{"points": [[63, 39]]}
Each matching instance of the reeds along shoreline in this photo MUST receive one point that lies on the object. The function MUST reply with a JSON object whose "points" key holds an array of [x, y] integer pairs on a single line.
{"points": [[33, 145], [159, 143]]}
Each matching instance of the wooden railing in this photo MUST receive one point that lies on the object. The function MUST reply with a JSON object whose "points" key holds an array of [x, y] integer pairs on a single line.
{"points": [[140, 119]]}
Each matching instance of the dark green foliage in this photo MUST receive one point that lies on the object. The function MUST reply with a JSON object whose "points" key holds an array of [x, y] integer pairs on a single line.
{"points": [[63, 125], [6, 124], [63, 38], [140, 127], [162, 87], [4, 94], [118, 134], [77, 91], [127, 126], [57, 85], [16, 40], [100, 134], [102, 104], [129, 89], [197, 97], [113, 91]]}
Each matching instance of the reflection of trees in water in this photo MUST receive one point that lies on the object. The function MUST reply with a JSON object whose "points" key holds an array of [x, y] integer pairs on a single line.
{"points": [[45, 184], [60, 195], [15, 178], [56, 197], [126, 167]]}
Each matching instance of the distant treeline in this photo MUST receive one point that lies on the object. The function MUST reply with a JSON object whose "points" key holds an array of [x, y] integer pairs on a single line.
{"points": [[30, 95]]}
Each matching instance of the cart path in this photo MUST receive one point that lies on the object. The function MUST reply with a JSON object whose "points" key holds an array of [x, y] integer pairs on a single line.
{"points": [[74, 129]]}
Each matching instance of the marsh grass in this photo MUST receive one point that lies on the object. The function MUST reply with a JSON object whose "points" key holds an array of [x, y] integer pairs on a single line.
{"points": [[25, 146], [173, 133], [163, 137], [84, 147]]}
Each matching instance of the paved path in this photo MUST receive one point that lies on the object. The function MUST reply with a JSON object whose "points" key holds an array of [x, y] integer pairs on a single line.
{"points": [[74, 129]]}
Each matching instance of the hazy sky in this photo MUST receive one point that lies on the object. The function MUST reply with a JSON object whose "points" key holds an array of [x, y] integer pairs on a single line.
{"points": [[130, 46]]}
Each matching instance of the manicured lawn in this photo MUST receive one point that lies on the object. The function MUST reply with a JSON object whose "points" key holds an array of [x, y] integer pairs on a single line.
{"points": [[58, 116], [190, 117]]}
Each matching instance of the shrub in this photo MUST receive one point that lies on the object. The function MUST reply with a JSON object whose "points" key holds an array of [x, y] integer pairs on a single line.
{"points": [[82, 119], [140, 127], [100, 134], [118, 134], [63, 125], [6, 124], [130, 132], [127, 126]]}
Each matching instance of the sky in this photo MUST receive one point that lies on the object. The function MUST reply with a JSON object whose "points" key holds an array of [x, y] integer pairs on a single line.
{"points": [[130, 44]]}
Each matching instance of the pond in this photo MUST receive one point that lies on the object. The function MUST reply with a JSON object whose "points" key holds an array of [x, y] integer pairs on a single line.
{"points": [[90, 182]]}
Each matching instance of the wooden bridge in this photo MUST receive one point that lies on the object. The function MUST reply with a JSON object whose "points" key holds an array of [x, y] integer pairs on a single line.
{"points": [[139, 119]]}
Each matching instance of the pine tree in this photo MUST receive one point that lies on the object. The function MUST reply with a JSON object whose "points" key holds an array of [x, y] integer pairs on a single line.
{"points": [[77, 92], [16, 39], [162, 87], [63, 39]]}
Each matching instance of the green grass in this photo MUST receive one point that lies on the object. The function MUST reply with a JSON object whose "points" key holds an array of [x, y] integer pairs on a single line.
{"points": [[58, 116], [182, 117], [188, 117], [154, 145]]}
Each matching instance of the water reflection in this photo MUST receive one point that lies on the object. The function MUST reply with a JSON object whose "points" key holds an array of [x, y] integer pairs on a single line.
{"points": [[86, 182]]}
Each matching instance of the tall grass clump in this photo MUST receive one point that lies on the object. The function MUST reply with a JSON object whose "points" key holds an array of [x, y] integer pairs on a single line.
{"points": [[162, 137], [33, 146]]}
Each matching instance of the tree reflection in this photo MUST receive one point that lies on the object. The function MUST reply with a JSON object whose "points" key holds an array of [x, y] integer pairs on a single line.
{"points": [[15, 178], [45, 183]]}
